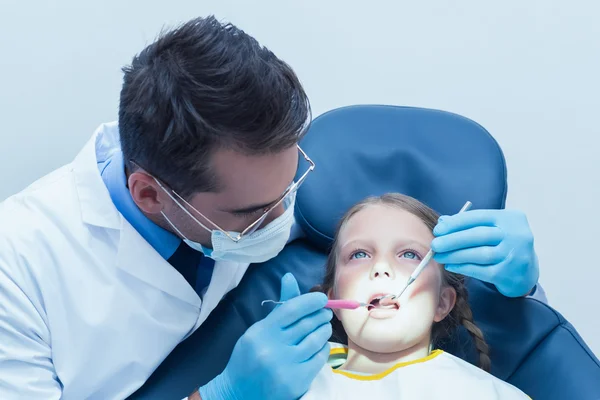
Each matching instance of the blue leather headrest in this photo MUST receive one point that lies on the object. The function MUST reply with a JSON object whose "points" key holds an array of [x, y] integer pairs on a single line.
{"points": [[439, 158]]}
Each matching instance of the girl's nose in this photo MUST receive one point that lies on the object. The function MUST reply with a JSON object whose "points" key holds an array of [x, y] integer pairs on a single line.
{"points": [[382, 270]]}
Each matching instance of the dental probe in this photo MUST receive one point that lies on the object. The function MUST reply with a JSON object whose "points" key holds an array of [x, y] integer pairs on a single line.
{"points": [[333, 304]]}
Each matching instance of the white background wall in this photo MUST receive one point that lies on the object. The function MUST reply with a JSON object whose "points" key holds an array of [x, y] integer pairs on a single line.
{"points": [[526, 70]]}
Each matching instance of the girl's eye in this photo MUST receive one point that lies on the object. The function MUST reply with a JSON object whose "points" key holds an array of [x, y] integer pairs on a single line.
{"points": [[412, 255], [358, 254]]}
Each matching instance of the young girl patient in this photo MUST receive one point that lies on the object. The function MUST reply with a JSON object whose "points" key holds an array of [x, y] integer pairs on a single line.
{"points": [[379, 243]]}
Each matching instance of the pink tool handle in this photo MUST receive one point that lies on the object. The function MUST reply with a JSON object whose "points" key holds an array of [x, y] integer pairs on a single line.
{"points": [[347, 304]]}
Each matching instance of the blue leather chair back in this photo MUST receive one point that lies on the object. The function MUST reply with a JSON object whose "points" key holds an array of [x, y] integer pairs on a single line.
{"points": [[443, 160], [438, 158]]}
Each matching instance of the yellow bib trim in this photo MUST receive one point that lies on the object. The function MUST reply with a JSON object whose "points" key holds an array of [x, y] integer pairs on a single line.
{"points": [[381, 375]]}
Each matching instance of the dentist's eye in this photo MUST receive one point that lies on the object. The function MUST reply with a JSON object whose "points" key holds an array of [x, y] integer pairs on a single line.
{"points": [[249, 214], [358, 254]]}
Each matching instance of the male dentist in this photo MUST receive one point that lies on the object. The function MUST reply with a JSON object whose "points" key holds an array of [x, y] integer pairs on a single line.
{"points": [[109, 262]]}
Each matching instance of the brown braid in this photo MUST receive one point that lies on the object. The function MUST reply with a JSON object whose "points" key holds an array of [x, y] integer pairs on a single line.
{"points": [[461, 314], [466, 318]]}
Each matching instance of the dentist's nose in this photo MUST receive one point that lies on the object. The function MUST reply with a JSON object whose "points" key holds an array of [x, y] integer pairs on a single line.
{"points": [[382, 269]]}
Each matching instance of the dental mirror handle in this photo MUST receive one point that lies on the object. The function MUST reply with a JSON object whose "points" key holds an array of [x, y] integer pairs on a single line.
{"points": [[345, 304], [427, 258]]}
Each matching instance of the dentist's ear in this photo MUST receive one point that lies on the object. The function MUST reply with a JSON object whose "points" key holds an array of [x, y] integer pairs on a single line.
{"points": [[446, 303], [145, 193]]}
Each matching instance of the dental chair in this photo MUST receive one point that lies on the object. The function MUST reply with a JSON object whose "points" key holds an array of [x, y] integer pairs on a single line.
{"points": [[443, 160]]}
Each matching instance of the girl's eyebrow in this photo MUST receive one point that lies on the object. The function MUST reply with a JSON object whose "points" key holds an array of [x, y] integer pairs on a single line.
{"points": [[356, 242], [404, 242], [415, 243]]}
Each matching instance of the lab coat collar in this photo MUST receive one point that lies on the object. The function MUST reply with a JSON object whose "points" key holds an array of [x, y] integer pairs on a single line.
{"points": [[96, 206]]}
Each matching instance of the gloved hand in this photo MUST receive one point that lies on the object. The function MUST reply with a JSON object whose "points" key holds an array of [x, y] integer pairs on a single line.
{"points": [[278, 357], [494, 246]]}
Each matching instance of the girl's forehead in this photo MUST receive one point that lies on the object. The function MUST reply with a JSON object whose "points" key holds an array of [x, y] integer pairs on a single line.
{"points": [[381, 216], [383, 224]]}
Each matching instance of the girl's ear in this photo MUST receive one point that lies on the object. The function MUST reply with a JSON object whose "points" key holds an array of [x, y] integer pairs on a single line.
{"points": [[445, 304]]}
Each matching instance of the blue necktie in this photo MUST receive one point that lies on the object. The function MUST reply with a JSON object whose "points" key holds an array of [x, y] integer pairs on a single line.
{"points": [[195, 268]]}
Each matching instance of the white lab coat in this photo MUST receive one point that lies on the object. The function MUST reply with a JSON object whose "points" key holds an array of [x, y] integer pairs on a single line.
{"points": [[88, 309]]}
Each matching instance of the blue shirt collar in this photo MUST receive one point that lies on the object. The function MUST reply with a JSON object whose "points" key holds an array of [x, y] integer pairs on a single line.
{"points": [[112, 171]]}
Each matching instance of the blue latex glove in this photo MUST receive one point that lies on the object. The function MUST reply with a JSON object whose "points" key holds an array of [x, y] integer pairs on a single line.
{"points": [[494, 246], [278, 357]]}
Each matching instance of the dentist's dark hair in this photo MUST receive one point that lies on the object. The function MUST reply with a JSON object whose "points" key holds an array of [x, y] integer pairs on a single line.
{"points": [[203, 86], [461, 314]]}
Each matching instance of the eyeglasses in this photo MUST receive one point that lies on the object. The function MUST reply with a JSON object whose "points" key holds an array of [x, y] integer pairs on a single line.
{"points": [[254, 225]]}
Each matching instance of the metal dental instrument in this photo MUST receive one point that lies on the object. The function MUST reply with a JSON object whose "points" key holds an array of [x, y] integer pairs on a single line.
{"points": [[421, 265], [333, 304]]}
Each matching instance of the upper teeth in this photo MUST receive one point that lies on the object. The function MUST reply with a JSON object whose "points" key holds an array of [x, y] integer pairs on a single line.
{"points": [[376, 303]]}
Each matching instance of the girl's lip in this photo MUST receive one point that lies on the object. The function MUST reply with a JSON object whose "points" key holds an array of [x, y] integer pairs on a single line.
{"points": [[376, 296]]}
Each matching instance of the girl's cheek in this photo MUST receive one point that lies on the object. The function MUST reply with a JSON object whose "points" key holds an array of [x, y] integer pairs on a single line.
{"points": [[346, 280], [429, 283]]}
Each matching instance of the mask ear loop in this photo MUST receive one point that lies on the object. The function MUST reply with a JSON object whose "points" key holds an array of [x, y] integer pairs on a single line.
{"points": [[183, 208], [173, 226]]}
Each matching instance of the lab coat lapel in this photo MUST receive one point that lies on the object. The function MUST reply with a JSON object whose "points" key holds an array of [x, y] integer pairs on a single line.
{"points": [[221, 282], [138, 258]]}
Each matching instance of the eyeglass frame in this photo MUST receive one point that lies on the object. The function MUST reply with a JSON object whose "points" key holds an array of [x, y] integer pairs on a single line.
{"points": [[254, 225]]}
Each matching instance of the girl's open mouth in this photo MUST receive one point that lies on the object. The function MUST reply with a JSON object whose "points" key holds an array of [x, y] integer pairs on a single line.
{"points": [[387, 304]]}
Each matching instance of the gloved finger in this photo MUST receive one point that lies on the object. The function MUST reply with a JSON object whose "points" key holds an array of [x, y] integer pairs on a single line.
{"points": [[296, 332], [473, 237], [465, 220], [298, 307], [289, 287], [482, 273], [313, 343], [312, 366], [484, 255]]}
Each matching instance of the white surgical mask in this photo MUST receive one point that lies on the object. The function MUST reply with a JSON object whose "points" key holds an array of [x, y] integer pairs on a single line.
{"points": [[256, 247]]}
